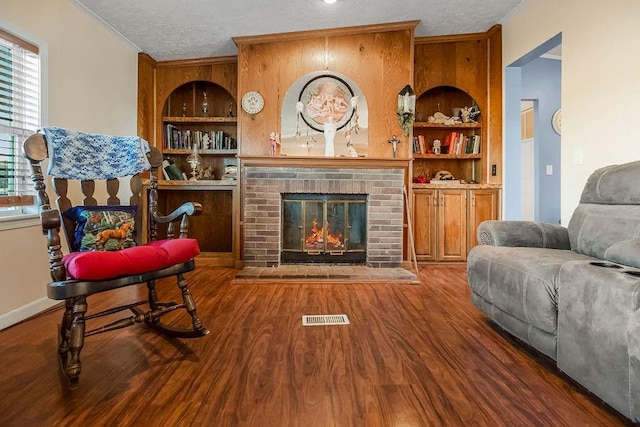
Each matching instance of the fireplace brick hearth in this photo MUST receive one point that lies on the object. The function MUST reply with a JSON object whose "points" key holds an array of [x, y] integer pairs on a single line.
{"points": [[262, 203]]}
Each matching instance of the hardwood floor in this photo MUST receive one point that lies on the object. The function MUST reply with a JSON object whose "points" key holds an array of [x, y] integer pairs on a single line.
{"points": [[413, 355]]}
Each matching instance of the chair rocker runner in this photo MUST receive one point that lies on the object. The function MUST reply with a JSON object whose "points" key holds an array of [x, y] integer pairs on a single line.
{"points": [[91, 270]]}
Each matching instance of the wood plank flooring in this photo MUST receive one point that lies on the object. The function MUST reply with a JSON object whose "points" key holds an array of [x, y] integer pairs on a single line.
{"points": [[413, 355]]}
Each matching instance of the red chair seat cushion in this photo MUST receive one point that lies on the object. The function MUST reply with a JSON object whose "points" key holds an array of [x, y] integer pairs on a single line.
{"points": [[102, 265]]}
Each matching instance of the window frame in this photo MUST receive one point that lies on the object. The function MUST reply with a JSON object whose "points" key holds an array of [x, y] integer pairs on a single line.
{"points": [[26, 212]]}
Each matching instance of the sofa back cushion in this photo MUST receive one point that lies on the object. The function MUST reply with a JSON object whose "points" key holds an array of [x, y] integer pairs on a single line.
{"points": [[594, 228], [609, 210]]}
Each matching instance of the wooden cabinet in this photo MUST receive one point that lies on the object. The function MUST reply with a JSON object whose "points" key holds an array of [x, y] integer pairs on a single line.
{"points": [[173, 94], [452, 72], [446, 219], [484, 205]]}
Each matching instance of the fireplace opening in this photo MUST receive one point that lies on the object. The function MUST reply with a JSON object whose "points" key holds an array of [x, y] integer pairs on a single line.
{"points": [[324, 228]]}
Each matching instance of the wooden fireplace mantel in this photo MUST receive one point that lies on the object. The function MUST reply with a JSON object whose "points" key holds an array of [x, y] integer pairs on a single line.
{"points": [[325, 162]]}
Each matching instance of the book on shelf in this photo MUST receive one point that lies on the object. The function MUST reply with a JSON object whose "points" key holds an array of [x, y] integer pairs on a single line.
{"points": [[171, 171]]}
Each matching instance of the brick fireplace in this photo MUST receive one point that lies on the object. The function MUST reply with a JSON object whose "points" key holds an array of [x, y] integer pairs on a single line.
{"points": [[265, 185]]}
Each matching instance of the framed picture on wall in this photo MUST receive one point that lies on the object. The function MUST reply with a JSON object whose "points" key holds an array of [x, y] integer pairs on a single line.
{"points": [[326, 98]]}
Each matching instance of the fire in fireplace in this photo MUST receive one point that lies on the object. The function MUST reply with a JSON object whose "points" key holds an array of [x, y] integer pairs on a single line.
{"points": [[324, 228]]}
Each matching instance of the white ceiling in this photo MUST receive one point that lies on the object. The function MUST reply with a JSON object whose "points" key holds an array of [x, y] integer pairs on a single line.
{"points": [[185, 29]]}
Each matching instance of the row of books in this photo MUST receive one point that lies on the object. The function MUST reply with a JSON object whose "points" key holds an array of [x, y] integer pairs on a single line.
{"points": [[175, 138], [453, 143], [459, 143]]}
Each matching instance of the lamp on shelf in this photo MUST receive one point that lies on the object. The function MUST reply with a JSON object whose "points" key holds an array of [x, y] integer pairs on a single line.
{"points": [[406, 109], [194, 161]]}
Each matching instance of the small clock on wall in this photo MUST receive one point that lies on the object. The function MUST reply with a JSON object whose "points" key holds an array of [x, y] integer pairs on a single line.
{"points": [[556, 121], [252, 102]]}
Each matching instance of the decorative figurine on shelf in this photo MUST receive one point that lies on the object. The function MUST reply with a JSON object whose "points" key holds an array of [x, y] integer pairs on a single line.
{"points": [[230, 113], [436, 146], [394, 142], [206, 141], [465, 114], [207, 173], [440, 118], [205, 104], [184, 110], [329, 134], [351, 150]]}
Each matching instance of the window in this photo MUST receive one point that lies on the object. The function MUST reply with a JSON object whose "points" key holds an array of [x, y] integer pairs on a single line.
{"points": [[19, 118]]}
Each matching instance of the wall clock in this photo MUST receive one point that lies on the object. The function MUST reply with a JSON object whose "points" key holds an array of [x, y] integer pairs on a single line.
{"points": [[252, 102], [556, 121]]}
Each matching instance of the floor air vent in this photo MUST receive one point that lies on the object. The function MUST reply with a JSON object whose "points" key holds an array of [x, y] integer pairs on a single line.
{"points": [[328, 319]]}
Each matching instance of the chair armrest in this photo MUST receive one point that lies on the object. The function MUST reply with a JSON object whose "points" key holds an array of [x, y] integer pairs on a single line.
{"points": [[626, 252], [523, 234], [50, 219], [188, 208]]}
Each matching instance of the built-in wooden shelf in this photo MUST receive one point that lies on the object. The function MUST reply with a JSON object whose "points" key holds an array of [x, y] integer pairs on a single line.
{"points": [[447, 156], [443, 126], [201, 152], [193, 119]]}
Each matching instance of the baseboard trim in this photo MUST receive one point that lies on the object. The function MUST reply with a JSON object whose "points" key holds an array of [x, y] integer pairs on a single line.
{"points": [[25, 312]]}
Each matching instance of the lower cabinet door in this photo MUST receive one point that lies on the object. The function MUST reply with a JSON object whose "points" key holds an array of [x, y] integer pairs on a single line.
{"points": [[452, 225], [424, 224], [483, 205]]}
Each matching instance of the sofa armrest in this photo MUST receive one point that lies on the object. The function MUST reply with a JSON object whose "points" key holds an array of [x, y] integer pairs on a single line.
{"points": [[626, 252], [523, 234]]}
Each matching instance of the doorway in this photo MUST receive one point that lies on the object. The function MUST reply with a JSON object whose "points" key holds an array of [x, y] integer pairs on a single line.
{"points": [[532, 168]]}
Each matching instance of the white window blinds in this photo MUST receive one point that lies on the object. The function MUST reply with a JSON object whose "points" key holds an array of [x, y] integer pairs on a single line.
{"points": [[19, 116]]}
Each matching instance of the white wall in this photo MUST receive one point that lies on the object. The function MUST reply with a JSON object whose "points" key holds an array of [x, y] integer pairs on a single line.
{"points": [[91, 86], [600, 80]]}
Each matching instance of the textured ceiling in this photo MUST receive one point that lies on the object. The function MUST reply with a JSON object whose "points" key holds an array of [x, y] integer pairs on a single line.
{"points": [[184, 29]]}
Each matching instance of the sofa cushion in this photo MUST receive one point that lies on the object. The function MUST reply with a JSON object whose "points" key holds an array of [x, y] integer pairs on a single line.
{"points": [[520, 281], [102, 265], [613, 185], [594, 228]]}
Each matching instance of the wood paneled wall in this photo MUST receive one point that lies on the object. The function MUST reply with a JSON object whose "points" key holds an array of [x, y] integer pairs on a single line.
{"points": [[379, 58], [146, 70]]}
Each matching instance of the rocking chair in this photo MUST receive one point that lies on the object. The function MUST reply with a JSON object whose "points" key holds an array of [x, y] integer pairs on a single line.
{"points": [[105, 252]]}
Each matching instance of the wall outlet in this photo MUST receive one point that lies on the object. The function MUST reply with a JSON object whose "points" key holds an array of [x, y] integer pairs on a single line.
{"points": [[494, 170]]}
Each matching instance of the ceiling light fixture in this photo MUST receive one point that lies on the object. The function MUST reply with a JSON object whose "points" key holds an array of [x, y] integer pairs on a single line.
{"points": [[330, 1]]}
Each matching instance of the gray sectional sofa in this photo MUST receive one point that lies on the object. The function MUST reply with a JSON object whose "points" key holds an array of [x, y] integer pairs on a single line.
{"points": [[573, 293]]}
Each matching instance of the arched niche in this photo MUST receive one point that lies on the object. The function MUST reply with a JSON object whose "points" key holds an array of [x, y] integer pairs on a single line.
{"points": [[324, 94], [220, 103], [445, 99]]}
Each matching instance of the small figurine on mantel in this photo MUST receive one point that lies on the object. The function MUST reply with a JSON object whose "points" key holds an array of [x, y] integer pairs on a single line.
{"points": [[351, 150], [273, 144]]}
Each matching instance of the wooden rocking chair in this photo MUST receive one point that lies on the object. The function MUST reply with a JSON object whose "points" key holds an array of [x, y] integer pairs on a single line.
{"points": [[87, 271]]}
